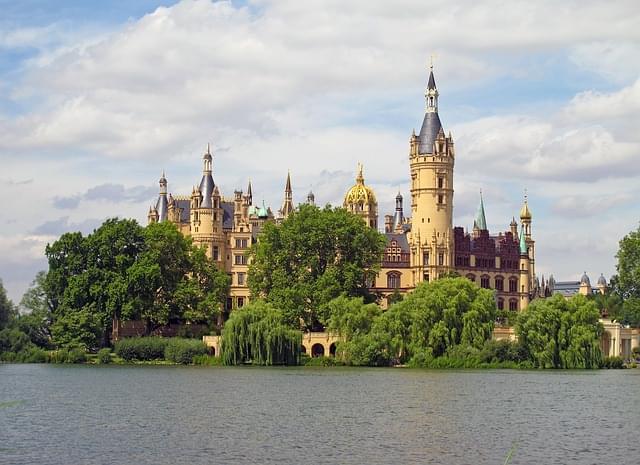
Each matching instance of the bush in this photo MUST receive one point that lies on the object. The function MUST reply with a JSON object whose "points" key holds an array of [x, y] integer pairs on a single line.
{"points": [[104, 356], [612, 362], [14, 340], [141, 348], [636, 352], [319, 361], [34, 355], [183, 350], [59, 356], [76, 355], [208, 360]]}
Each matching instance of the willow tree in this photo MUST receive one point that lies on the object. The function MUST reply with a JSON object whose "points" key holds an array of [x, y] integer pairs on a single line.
{"points": [[314, 256], [561, 333], [259, 334]]}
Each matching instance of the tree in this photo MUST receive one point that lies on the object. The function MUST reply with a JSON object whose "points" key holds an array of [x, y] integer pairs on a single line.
{"points": [[429, 321], [314, 256], [627, 280], [7, 310], [258, 333], [35, 315], [561, 333]]}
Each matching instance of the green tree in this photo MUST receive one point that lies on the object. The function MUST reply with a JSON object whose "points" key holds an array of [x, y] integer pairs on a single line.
{"points": [[7, 310], [35, 314], [627, 280], [561, 333], [258, 333], [314, 256]]}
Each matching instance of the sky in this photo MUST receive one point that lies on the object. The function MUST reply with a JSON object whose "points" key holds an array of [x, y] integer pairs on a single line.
{"points": [[98, 98]]}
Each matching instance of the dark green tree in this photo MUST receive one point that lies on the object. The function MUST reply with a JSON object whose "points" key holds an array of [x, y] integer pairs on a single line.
{"points": [[561, 333], [7, 309], [314, 256], [35, 314], [627, 281]]}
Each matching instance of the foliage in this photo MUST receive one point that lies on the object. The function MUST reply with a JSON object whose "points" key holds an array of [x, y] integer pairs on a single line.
{"points": [[35, 317], [635, 352], [76, 355], [259, 333], [104, 356], [319, 361], [141, 348], [14, 340], [629, 314], [207, 360], [314, 256], [180, 350], [627, 281], [7, 310], [426, 323], [122, 270], [560, 333], [613, 362]]}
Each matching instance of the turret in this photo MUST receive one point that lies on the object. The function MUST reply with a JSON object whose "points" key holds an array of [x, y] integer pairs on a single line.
{"points": [[206, 183], [513, 227], [311, 198], [287, 204], [585, 285], [525, 280], [398, 218], [602, 284], [162, 204]]}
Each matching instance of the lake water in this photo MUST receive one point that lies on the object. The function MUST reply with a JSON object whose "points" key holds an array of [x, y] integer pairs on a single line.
{"points": [[65, 414]]}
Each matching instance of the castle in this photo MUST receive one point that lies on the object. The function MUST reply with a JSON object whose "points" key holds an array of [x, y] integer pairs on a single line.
{"points": [[422, 247]]}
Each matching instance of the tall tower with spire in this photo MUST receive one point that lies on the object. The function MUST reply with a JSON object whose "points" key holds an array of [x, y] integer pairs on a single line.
{"points": [[287, 205], [431, 161], [525, 218]]}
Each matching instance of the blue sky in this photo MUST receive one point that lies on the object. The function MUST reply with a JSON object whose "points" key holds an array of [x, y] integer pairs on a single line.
{"points": [[97, 98]]}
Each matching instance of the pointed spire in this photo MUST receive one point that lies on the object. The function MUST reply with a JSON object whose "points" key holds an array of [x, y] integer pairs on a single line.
{"points": [[288, 186], [431, 85], [481, 220], [523, 243]]}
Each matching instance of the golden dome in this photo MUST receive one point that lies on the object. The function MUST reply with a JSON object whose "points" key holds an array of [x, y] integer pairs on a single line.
{"points": [[359, 193], [525, 213]]}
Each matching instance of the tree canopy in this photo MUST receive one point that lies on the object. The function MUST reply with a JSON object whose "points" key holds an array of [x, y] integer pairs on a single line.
{"points": [[314, 256], [7, 310], [126, 271], [627, 280], [561, 333]]}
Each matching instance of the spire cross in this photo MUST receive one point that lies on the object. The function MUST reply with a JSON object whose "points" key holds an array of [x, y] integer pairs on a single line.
{"points": [[431, 57], [525, 194]]}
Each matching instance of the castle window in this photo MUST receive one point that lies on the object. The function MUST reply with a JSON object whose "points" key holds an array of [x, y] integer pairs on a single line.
{"points": [[425, 277], [513, 305], [393, 280], [513, 284], [471, 278], [215, 253], [240, 302], [240, 259], [499, 283], [440, 183], [240, 279], [425, 258], [241, 243], [440, 199], [500, 304], [484, 282], [215, 216], [229, 304], [440, 259]]}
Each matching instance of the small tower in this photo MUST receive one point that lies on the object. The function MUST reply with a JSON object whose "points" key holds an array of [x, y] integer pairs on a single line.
{"points": [[525, 280], [160, 212], [360, 200], [525, 218], [480, 223], [311, 199], [249, 195], [513, 227], [206, 183], [602, 284], [585, 285], [287, 204], [398, 218]]}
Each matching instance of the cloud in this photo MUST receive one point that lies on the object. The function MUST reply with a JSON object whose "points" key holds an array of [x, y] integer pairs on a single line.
{"points": [[108, 192], [57, 227]]}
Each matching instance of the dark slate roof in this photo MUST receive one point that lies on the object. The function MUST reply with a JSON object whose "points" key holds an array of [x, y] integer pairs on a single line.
{"points": [[227, 215], [566, 288], [401, 239], [428, 133], [206, 189], [432, 81], [162, 207], [185, 210]]}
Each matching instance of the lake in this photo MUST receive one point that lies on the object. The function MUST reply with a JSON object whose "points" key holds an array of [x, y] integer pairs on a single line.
{"points": [[77, 414]]}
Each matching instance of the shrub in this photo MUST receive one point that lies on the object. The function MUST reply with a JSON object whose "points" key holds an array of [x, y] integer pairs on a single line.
{"points": [[612, 362], [14, 340], [141, 348], [104, 356], [636, 352], [183, 350], [76, 355], [59, 356], [208, 360], [34, 355], [319, 361]]}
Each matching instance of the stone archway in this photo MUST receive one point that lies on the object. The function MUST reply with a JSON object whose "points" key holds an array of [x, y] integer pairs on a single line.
{"points": [[303, 349], [332, 349], [317, 350]]}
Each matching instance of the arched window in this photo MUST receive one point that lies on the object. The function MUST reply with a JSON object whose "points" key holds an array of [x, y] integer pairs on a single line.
{"points": [[484, 282], [471, 277], [499, 283], [513, 284], [500, 304], [513, 304], [393, 280]]}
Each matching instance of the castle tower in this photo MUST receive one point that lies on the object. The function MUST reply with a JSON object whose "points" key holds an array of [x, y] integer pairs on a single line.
{"points": [[431, 161], [525, 280], [480, 223], [160, 212], [585, 285], [513, 226], [398, 217], [360, 200], [602, 284], [311, 198], [525, 218], [287, 204]]}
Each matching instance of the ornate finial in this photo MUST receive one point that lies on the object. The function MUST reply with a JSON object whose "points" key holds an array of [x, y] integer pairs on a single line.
{"points": [[208, 148], [525, 195], [431, 57], [360, 177]]}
